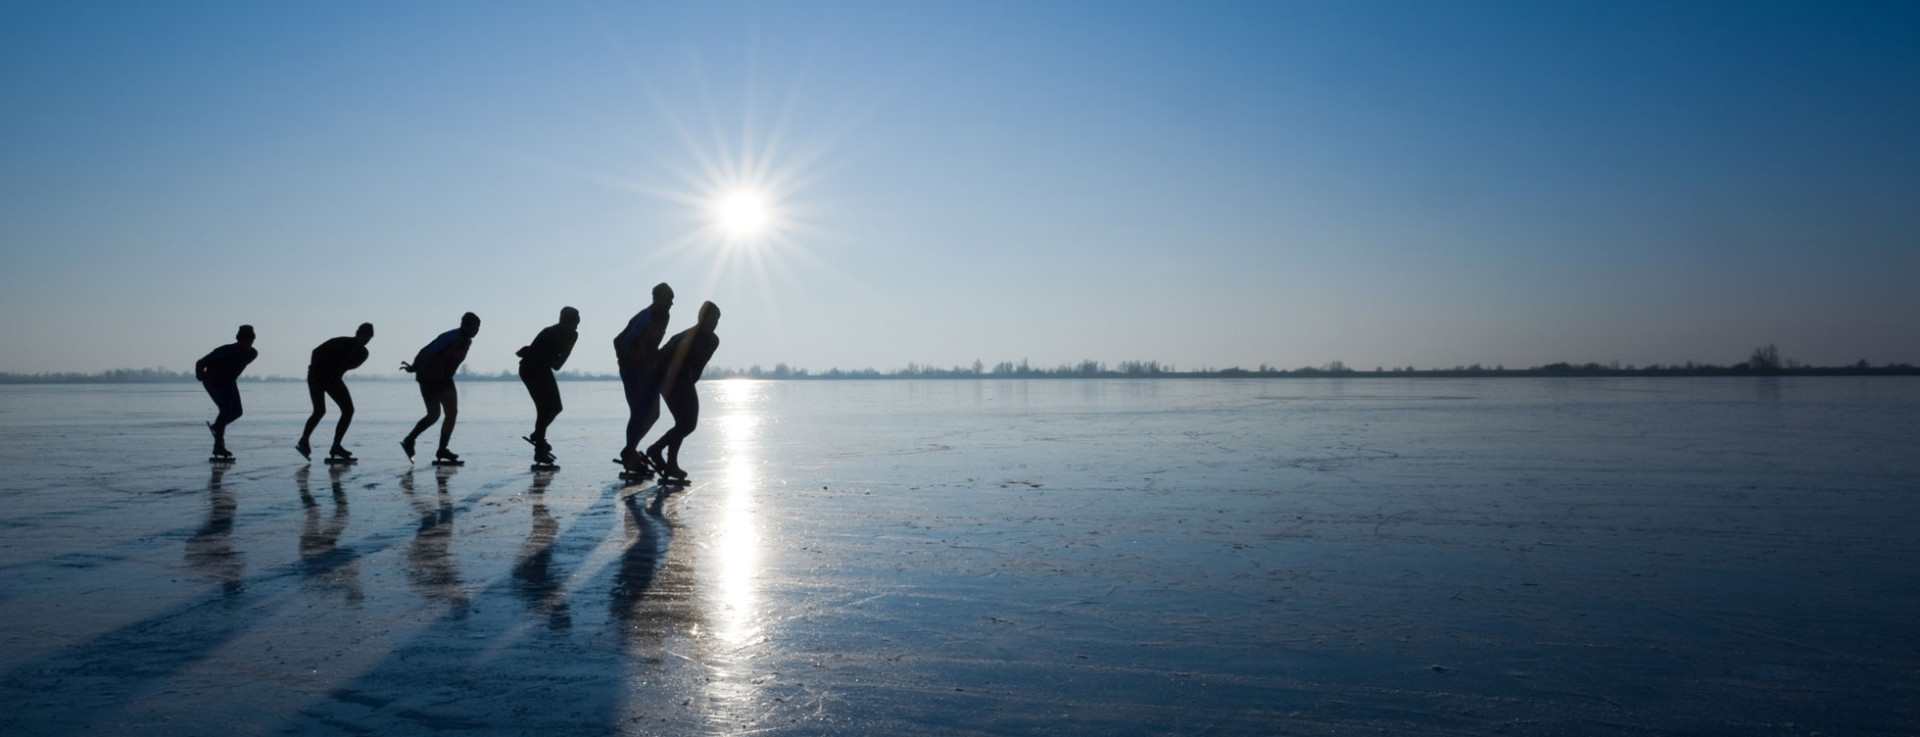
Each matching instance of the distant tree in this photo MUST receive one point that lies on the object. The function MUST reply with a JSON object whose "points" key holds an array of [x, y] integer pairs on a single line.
{"points": [[1765, 358]]}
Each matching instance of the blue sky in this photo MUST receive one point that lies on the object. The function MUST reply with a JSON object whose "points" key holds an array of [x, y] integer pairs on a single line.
{"points": [[1202, 184]]}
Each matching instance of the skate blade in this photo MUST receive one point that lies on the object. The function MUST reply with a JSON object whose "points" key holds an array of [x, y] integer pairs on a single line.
{"points": [[441, 462], [342, 461], [545, 467]]}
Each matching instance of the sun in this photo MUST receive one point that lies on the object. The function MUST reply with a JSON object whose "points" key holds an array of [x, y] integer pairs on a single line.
{"points": [[742, 213]]}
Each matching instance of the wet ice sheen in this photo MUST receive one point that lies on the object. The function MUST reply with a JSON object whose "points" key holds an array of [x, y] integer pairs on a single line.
{"points": [[1588, 556]]}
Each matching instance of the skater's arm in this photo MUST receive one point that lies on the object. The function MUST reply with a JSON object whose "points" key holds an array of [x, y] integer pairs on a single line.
{"points": [[624, 343], [703, 349], [564, 348]]}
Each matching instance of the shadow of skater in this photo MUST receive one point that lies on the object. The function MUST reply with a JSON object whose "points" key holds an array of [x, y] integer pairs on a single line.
{"points": [[636, 348], [326, 376], [211, 547], [434, 367], [535, 578], [538, 360], [653, 590], [429, 565], [219, 372], [684, 358], [321, 558]]}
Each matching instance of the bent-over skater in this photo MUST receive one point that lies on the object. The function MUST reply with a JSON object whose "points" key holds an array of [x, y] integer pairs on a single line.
{"points": [[219, 372], [682, 360], [637, 348], [538, 360], [327, 377], [434, 368]]}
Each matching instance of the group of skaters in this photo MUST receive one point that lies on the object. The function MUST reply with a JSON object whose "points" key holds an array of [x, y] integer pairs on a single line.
{"points": [[650, 371]]}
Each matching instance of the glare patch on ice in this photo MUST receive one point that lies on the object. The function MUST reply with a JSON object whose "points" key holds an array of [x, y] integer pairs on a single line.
{"points": [[735, 614]]}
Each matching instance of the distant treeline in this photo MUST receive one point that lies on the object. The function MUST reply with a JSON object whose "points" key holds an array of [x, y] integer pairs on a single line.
{"points": [[1765, 360], [1151, 369]]}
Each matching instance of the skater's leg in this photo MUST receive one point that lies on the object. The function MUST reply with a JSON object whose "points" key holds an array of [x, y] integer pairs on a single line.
{"points": [[545, 392], [317, 394], [227, 398], [429, 394], [220, 410], [549, 406], [643, 405], [685, 406], [338, 390], [449, 399]]}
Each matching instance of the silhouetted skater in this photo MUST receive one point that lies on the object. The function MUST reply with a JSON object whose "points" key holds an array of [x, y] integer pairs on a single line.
{"points": [[434, 367], [682, 360], [637, 347], [219, 372], [538, 361], [326, 376]]}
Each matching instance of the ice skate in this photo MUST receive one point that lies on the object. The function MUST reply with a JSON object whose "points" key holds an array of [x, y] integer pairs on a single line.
{"points": [[407, 445], [444, 457], [544, 461], [634, 466]]}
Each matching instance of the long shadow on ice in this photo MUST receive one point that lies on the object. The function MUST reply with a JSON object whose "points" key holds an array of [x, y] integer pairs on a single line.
{"points": [[536, 578], [92, 683], [507, 657]]}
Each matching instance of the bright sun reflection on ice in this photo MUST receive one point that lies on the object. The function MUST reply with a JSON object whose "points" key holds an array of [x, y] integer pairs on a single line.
{"points": [[739, 540]]}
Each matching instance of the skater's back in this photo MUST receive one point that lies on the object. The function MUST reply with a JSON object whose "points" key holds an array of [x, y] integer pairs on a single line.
{"points": [[225, 363], [551, 348], [686, 354], [441, 358], [337, 356], [636, 346]]}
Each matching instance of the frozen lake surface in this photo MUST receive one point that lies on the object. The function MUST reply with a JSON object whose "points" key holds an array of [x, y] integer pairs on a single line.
{"points": [[1325, 556]]}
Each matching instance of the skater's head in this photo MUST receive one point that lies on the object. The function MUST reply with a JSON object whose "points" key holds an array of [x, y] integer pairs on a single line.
{"points": [[709, 316], [469, 325], [244, 336], [364, 334], [569, 317], [662, 296]]}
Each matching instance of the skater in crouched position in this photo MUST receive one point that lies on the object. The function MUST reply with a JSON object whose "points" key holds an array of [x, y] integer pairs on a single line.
{"points": [[538, 360], [637, 349], [219, 373], [433, 367], [682, 360], [326, 377]]}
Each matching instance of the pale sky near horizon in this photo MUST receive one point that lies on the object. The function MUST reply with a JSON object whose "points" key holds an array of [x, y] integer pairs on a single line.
{"points": [[1215, 184]]}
